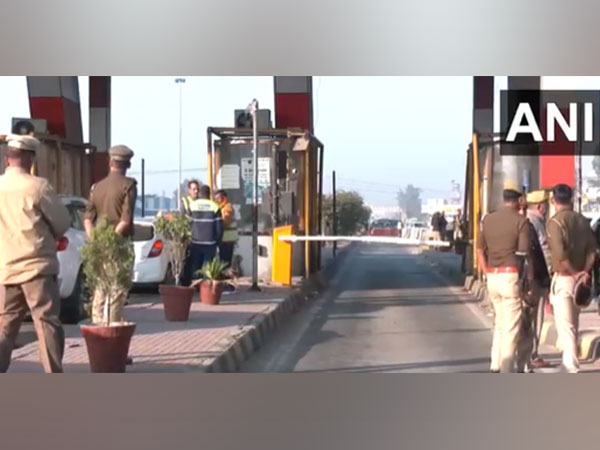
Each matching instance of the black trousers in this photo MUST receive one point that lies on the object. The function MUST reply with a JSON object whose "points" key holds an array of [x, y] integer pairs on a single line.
{"points": [[198, 254]]}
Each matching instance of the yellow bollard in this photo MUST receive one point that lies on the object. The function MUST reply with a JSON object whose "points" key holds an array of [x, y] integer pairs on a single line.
{"points": [[281, 271]]}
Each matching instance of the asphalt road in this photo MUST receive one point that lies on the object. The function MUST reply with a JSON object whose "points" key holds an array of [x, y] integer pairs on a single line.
{"points": [[388, 309]]}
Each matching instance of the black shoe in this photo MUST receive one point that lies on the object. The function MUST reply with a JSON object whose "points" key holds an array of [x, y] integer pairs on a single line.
{"points": [[129, 361], [494, 371]]}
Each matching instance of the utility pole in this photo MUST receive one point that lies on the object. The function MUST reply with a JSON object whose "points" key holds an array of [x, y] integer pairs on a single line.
{"points": [[143, 187], [253, 109], [334, 216], [180, 82]]}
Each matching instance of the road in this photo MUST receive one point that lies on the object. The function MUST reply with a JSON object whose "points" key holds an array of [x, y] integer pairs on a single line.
{"points": [[387, 310]]}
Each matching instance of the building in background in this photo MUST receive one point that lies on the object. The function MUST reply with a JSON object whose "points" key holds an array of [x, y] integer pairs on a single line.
{"points": [[153, 204]]}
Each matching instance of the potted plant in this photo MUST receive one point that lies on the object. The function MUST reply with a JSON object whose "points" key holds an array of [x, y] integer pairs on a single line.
{"points": [[176, 233], [108, 260], [211, 286]]}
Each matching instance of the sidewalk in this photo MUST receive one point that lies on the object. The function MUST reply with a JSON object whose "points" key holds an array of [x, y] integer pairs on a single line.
{"points": [[215, 339]]}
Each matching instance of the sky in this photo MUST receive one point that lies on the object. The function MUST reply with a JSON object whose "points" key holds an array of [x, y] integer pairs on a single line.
{"points": [[380, 133]]}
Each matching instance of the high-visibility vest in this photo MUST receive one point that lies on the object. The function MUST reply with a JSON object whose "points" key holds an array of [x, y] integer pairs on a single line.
{"points": [[231, 232], [185, 204], [207, 224]]}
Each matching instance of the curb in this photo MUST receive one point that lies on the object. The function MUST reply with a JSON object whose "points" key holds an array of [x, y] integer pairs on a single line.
{"points": [[588, 339], [234, 350]]}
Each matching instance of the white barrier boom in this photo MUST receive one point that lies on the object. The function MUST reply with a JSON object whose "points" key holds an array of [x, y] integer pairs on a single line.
{"points": [[376, 239]]}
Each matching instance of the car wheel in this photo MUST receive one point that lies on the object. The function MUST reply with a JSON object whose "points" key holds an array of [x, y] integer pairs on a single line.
{"points": [[72, 307]]}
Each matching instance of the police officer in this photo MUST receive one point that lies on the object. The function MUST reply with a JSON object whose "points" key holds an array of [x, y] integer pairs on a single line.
{"points": [[573, 250], [207, 232], [193, 189], [504, 234], [32, 220], [113, 198], [537, 210], [535, 283]]}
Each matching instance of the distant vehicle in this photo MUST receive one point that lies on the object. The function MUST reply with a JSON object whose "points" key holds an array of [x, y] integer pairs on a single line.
{"points": [[384, 227], [73, 293], [151, 266]]}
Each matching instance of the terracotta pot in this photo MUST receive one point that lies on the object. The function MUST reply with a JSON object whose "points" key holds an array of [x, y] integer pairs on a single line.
{"points": [[108, 346], [177, 301], [210, 292]]}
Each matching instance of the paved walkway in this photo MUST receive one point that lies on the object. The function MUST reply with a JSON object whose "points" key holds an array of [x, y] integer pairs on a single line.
{"points": [[162, 346]]}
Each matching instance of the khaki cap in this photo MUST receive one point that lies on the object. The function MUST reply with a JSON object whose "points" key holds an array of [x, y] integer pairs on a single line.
{"points": [[120, 153], [22, 142], [539, 196]]}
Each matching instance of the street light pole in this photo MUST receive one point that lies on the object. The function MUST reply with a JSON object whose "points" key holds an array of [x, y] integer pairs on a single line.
{"points": [[253, 109], [180, 82]]}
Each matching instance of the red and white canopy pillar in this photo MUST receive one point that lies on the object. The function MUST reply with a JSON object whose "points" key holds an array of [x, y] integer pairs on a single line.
{"points": [[56, 99], [100, 129], [293, 102]]}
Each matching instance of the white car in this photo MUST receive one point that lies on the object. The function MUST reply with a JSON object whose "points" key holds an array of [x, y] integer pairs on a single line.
{"points": [[151, 263], [72, 285]]}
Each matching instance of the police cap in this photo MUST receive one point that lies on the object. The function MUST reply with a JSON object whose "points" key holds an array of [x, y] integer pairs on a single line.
{"points": [[120, 153], [536, 197], [22, 142]]}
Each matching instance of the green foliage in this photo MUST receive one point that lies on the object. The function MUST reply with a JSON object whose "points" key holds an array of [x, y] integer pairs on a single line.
{"points": [[352, 213], [177, 235], [108, 260], [213, 269]]}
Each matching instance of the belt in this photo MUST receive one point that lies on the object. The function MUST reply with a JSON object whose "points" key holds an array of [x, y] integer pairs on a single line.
{"points": [[503, 269]]}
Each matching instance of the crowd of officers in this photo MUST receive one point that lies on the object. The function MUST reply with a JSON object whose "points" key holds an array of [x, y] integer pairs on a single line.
{"points": [[33, 219], [527, 258]]}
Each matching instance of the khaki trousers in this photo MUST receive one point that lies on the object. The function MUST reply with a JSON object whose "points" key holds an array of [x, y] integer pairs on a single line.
{"points": [[42, 297], [503, 289], [566, 318], [116, 306]]}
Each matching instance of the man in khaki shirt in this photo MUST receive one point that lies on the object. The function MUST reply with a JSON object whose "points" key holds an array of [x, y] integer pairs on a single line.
{"points": [[504, 234], [573, 251], [113, 198], [32, 220]]}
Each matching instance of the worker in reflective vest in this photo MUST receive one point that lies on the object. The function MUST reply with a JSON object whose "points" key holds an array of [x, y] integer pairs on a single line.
{"points": [[193, 189], [207, 232], [230, 235]]}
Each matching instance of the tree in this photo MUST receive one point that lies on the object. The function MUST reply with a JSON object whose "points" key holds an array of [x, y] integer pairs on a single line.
{"points": [[409, 200], [352, 213]]}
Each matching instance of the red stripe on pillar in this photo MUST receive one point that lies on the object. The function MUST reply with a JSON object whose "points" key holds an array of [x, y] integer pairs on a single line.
{"points": [[557, 159], [99, 92], [293, 110], [51, 109]]}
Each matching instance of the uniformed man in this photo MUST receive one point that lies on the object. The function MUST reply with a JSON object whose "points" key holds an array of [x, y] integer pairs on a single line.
{"points": [[207, 232], [504, 234], [573, 250], [113, 198], [537, 209], [535, 283], [32, 220], [193, 189]]}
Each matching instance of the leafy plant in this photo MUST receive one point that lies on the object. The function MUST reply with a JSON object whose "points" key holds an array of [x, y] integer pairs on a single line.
{"points": [[212, 270], [177, 234], [108, 260]]}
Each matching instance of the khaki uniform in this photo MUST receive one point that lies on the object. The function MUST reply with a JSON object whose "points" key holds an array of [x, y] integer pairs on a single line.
{"points": [[503, 234], [32, 219], [114, 199], [570, 238]]}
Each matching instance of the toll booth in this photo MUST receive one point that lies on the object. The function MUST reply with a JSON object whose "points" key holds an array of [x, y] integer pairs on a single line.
{"points": [[290, 187]]}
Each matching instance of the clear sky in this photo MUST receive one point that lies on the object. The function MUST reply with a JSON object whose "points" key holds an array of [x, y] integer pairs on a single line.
{"points": [[380, 133]]}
